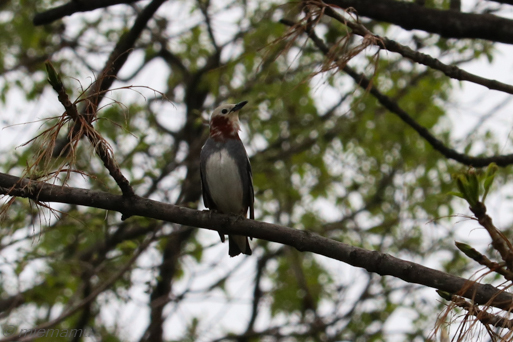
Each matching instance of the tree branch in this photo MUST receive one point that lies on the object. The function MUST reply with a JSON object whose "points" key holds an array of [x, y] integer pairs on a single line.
{"points": [[484, 317], [72, 7], [392, 106], [385, 101], [14, 301], [204, 7], [160, 294], [121, 52], [101, 147], [451, 71], [257, 289], [448, 24], [304, 241], [509, 2], [113, 65]]}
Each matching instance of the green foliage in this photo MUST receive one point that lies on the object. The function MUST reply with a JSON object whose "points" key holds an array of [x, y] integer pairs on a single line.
{"points": [[471, 184], [299, 284]]}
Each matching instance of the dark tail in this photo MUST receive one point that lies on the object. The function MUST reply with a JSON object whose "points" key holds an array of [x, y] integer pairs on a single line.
{"points": [[238, 244]]}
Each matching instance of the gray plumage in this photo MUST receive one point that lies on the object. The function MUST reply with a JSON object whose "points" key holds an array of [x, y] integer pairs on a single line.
{"points": [[226, 177]]}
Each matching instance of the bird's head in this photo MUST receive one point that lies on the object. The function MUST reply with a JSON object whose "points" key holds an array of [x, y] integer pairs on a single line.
{"points": [[224, 121]]}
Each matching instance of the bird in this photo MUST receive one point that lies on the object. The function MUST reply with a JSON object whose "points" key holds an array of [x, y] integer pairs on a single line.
{"points": [[225, 170]]}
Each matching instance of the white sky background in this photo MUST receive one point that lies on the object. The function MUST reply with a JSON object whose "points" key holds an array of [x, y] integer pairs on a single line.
{"points": [[471, 102]]}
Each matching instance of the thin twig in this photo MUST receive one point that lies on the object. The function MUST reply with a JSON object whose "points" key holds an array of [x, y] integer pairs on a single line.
{"points": [[483, 316], [483, 260], [499, 242]]}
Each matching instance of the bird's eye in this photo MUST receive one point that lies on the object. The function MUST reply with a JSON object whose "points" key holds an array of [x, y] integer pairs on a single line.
{"points": [[224, 111]]}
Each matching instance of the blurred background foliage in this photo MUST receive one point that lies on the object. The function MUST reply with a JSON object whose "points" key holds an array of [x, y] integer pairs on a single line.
{"points": [[326, 158]]}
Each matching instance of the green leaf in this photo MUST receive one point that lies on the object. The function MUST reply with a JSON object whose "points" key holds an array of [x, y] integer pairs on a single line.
{"points": [[455, 193]]}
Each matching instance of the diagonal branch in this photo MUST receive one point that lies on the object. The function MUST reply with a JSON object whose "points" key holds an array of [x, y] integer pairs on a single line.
{"points": [[392, 106], [304, 241], [72, 7], [204, 7], [121, 52], [484, 317], [451, 71], [113, 65], [101, 147]]}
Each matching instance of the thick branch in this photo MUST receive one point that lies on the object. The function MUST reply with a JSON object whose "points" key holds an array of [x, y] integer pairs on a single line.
{"points": [[509, 2], [449, 24], [372, 261], [72, 7]]}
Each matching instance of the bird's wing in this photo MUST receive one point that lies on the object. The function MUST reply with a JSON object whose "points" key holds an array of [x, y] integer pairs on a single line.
{"points": [[251, 191], [207, 199], [238, 151]]}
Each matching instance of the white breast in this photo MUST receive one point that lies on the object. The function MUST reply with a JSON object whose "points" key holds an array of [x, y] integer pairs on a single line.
{"points": [[224, 182]]}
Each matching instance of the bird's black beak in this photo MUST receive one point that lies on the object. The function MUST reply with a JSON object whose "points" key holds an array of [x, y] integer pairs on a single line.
{"points": [[239, 106]]}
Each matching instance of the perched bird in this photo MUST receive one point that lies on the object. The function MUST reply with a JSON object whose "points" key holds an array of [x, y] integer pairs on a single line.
{"points": [[226, 178]]}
